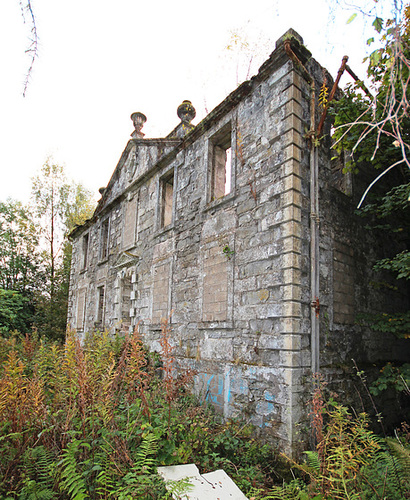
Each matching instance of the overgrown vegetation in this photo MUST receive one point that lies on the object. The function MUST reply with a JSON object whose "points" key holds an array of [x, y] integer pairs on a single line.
{"points": [[94, 419], [350, 461], [373, 127]]}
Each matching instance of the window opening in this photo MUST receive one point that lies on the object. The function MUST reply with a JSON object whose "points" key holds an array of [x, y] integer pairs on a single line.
{"points": [[126, 288], [167, 188], [130, 223], [221, 165], [81, 310], [85, 250], [104, 238], [100, 305]]}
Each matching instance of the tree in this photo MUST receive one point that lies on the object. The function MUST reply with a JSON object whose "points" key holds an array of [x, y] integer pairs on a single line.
{"points": [[32, 50], [19, 255], [15, 312], [58, 206], [21, 272], [375, 129], [80, 207], [50, 192]]}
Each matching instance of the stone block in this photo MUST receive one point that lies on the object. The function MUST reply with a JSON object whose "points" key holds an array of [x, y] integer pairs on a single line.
{"points": [[291, 197], [292, 166], [290, 359], [292, 308], [291, 228], [292, 181], [291, 292], [291, 259], [294, 107], [292, 276], [292, 212], [293, 92], [289, 325], [292, 122]]}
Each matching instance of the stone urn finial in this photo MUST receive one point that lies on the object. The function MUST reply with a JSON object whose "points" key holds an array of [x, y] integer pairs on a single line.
{"points": [[186, 112], [138, 119]]}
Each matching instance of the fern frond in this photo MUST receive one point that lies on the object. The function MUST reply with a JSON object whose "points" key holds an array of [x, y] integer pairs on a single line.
{"points": [[39, 465], [73, 481], [105, 480], [312, 460], [145, 454], [402, 454], [291, 491], [32, 490]]}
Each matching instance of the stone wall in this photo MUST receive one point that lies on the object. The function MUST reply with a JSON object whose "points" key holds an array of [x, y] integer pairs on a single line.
{"points": [[231, 270]]}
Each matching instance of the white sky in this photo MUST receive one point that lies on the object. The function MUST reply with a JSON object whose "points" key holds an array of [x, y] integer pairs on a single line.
{"points": [[101, 60]]}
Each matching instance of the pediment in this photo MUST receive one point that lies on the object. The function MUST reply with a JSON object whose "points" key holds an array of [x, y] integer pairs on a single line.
{"points": [[126, 259]]}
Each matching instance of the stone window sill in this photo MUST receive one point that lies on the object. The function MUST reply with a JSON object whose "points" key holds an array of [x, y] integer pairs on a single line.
{"points": [[164, 230], [220, 202], [215, 325], [129, 248]]}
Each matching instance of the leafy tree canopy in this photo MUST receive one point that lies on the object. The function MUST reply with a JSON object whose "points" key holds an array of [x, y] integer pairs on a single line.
{"points": [[374, 127], [15, 313], [35, 255], [20, 266]]}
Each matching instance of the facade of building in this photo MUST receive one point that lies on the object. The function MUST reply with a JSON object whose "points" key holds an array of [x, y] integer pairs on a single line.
{"points": [[243, 228]]}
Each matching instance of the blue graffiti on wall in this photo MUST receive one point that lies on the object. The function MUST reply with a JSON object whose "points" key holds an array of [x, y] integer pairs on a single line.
{"points": [[214, 388]]}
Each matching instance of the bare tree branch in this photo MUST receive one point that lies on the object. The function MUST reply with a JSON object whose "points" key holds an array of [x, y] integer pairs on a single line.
{"points": [[377, 179], [32, 51], [385, 114]]}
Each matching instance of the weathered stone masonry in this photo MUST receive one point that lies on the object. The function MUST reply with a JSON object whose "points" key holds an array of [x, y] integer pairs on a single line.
{"points": [[213, 223]]}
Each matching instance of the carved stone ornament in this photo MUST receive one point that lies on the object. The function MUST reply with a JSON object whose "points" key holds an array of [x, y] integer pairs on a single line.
{"points": [[186, 112], [138, 119]]}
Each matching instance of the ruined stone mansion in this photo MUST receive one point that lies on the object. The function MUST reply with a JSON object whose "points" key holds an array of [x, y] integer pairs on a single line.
{"points": [[242, 231]]}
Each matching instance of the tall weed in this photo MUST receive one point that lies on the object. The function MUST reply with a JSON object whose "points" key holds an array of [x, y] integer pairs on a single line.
{"points": [[93, 419]]}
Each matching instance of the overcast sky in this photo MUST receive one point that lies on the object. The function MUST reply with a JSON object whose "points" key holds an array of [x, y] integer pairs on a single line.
{"points": [[101, 60]]}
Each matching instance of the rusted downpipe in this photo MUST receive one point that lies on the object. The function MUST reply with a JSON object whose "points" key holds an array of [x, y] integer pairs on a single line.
{"points": [[332, 94], [359, 82], [314, 213], [344, 67]]}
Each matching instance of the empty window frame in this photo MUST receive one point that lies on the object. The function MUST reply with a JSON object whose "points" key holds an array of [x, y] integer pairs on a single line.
{"points": [[85, 243], [126, 292], [81, 304], [166, 199], [104, 238], [221, 163], [100, 305], [130, 222]]}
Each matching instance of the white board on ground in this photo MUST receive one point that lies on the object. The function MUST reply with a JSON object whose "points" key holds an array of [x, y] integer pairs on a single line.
{"points": [[215, 485]]}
